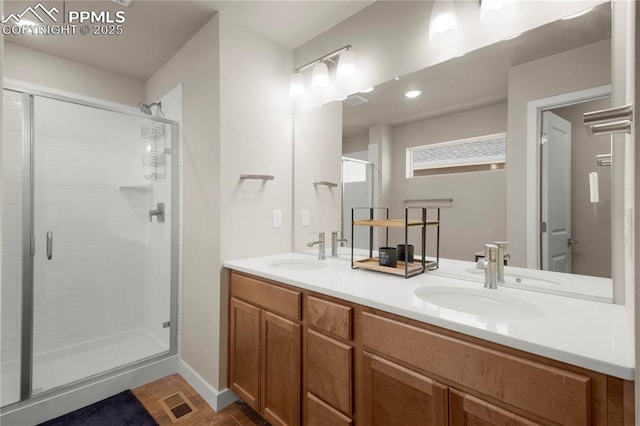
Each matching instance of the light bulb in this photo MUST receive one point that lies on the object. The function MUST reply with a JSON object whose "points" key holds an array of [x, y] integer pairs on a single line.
{"points": [[346, 65], [496, 11], [320, 75], [296, 86], [413, 93], [443, 24]]}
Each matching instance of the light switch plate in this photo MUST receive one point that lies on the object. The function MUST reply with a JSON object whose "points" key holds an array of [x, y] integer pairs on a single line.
{"points": [[306, 217], [277, 218]]}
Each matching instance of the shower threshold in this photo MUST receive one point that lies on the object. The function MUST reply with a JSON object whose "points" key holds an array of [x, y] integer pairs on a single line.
{"points": [[76, 362]]}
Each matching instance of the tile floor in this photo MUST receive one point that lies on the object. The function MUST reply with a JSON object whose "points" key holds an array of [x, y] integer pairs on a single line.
{"points": [[151, 394]]}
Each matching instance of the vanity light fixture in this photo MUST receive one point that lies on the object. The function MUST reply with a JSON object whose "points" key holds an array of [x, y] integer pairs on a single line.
{"points": [[320, 75], [412, 93], [346, 65], [342, 59], [297, 88], [444, 21], [575, 15], [494, 11]]}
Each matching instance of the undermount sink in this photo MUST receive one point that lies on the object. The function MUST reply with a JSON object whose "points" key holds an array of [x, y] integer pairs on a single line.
{"points": [[485, 302], [297, 264]]}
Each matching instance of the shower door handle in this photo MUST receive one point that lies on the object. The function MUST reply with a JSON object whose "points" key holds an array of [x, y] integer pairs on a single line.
{"points": [[49, 245]]}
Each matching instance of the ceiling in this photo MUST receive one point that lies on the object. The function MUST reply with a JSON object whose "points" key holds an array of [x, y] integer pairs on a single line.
{"points": [[476, 79], [155, 30]]}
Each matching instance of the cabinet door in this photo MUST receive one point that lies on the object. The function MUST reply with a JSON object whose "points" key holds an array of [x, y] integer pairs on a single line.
{"points": [[280, 370], [244, 351], [397, 395], [467, 410]]}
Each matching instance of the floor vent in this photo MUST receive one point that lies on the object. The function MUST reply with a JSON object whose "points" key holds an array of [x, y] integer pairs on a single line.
{"points": [[177, 407]]}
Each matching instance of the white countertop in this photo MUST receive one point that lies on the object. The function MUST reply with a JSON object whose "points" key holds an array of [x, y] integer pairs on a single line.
{"points": [[594, 335]]}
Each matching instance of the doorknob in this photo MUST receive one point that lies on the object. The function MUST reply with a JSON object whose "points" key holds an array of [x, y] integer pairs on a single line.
{"points": [[571, 243]]}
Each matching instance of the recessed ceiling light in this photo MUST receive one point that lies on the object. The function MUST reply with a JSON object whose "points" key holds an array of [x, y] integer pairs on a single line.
{"points": [[575, 15], [368, 90], [413, 94]]}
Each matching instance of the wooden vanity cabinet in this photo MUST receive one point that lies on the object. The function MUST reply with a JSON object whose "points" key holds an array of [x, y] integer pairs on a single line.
{"points": [[298, 357], [487, 384], [265, 348]]}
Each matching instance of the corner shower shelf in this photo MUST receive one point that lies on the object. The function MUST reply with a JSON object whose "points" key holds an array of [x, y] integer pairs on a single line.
{"points": [[409, 269]]}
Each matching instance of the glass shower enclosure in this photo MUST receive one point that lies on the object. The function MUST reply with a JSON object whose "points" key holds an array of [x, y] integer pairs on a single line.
{"points": [[89, 242]]}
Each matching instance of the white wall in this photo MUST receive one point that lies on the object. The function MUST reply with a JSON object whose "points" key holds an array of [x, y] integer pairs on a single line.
{"points": [[478, 212], [390, 38], [578, 69], [237, 119], [318, 147], [355, 143], [196, 66], [256, 136], [35, 67]]}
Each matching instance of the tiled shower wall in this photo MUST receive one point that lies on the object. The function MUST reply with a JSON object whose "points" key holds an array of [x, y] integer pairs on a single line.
{"points": [[10, 290], [91, 193]]}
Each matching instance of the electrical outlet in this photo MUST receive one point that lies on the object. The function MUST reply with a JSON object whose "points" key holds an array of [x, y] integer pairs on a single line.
{"points": [[306, 217], [277, 218]]}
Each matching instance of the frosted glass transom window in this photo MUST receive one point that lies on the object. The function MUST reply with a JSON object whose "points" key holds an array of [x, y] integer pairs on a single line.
{"points": [[466, 155]]}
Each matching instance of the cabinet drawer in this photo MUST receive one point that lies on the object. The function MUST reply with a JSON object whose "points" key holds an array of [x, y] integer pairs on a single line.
{"points": [[329, 371], [274, 298], [331, 317], [320, 414], [549, 392], [468, 410]]}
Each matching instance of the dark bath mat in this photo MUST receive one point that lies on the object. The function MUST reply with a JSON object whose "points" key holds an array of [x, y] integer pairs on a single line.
{"points": [[122, 409]]}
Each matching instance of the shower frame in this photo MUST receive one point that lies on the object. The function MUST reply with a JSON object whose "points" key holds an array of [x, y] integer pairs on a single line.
{"points": [[28, 246]]}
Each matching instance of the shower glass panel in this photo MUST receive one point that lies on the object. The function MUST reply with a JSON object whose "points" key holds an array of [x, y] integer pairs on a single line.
{"points": [[101, 267], [357, 191], [12, 245], [99, 280]]}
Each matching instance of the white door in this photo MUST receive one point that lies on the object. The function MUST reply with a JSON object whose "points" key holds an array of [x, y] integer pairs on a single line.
{"points": [[556, 193]]}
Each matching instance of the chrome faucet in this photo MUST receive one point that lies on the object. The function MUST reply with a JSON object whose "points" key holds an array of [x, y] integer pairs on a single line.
{"points": [[490, 266], [500, 259], [334, 243], [320, 244]]}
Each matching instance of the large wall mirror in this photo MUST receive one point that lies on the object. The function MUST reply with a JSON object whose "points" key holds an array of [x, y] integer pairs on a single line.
{"points": [[464, 144]]}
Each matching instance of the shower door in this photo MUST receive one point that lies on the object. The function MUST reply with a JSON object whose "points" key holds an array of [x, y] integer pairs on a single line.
{"points": [[100, 264]]}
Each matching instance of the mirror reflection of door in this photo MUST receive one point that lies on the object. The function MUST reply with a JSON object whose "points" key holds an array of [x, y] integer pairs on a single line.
{"points": [[578, 237], [556, 193]]}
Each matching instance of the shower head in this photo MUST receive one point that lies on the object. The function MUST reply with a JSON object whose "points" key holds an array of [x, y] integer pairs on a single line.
{"points": [[146, 108]]}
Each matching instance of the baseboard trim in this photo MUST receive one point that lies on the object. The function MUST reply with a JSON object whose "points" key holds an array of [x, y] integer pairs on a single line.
{"points": [[215, 398]]}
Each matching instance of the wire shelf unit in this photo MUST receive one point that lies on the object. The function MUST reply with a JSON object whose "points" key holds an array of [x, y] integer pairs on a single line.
{"points": [[154, 160]]}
